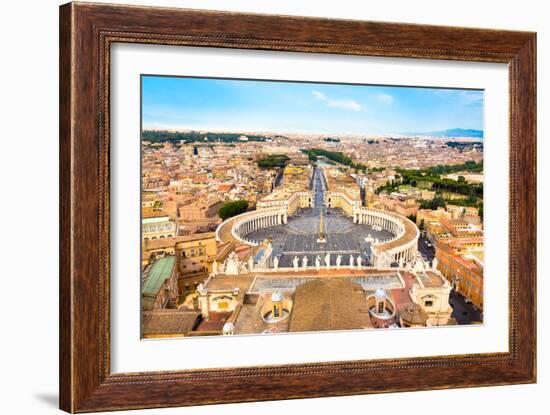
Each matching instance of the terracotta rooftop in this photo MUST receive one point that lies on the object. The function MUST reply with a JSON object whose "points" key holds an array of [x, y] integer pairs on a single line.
{"points": [[148, 212], [431, 279], [470, 264], [215, 322], [413, 315], [250, 319], [401, 297], [230, 282], [457, 241], [329, 304], [168, 322]]}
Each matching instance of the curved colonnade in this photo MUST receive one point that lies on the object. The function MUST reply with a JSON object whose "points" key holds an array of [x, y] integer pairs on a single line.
{"points": [[401, 248], [237, 227]]}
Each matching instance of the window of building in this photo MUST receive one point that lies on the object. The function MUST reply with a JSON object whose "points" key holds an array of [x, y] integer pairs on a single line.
{"points": [[428, 303]]}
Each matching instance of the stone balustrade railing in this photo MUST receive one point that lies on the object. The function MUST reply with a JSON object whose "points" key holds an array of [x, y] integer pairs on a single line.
{"points": [[403, 246]]}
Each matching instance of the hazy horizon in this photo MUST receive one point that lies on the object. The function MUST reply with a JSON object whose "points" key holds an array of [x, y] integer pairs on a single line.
{"points": [[208, 104]]}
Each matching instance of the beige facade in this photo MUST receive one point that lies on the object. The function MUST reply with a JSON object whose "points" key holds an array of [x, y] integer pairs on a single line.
{"points": [[195, 255], [342, 200], [342, 191], [326, 300], [288, 201], [200, 211], [157, 228], [293, 194], [432, 294], [462, 265]]}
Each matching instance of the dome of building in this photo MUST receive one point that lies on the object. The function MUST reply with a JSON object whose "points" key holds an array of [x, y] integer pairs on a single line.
{"points": [[276, 297], [412, 315], [380, 294], [276, 307], [328, 304], [228, 327]]}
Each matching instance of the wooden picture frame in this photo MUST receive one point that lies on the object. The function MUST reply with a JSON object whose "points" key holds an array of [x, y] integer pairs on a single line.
{"points": [[86, 33]]}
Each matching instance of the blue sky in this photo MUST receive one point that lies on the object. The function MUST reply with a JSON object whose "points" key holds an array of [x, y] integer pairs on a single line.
{"points": [[245, 105]]}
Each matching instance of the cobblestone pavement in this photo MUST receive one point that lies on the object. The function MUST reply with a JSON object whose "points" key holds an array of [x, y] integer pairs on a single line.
{"points": [[426, 249], [464, 312]]}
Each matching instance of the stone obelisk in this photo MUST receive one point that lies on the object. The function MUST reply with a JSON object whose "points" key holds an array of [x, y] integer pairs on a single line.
{"points": [[321, 238]]}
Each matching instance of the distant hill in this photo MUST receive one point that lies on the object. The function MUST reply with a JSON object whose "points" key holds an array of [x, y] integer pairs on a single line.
{"points": [[452, 132]]}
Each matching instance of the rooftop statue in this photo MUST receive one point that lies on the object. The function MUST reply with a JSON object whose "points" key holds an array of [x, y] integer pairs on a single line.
{"points": [[338, 261]]}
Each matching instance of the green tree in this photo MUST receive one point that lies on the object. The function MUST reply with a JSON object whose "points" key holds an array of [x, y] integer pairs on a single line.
{"points": [[233, 208], [273, 160], [187, 137], [433, 204]]}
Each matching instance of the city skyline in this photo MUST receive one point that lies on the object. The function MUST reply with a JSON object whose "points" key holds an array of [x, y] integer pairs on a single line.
{"points": [[301, 107], [282, 207]]}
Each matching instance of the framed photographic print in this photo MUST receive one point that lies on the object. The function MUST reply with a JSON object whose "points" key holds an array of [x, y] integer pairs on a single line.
{"points": [[261, 207]]}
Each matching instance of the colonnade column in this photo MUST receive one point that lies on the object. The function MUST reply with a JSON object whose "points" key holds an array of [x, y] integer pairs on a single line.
{"points": [[257, 223]]}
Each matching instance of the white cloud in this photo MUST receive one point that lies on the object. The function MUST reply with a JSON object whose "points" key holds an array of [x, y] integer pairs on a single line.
{"points": [[468, 98], [385, 98], [471, 97], [345, 104], [319, 95]]}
